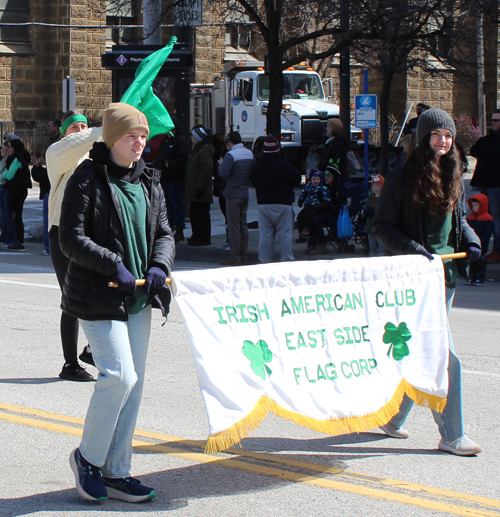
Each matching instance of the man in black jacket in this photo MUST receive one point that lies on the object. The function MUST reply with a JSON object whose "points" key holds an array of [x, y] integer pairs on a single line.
{"points": [[274, 180], [487, 175], [171, 161]]}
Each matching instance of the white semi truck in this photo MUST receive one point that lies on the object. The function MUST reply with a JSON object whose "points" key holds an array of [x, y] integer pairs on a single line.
{"points": [[238, 101]]}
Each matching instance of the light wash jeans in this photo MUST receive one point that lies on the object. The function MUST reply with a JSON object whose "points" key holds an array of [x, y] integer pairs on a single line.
{"points": [[119, 349], [450, 421], [377, 249], [275, 219]]}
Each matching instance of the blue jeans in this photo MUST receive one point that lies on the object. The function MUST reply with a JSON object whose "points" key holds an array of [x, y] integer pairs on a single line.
{"points": [[494, 204], [176, 212], [119, 349], [8, 228], [450, 421], [45, 217]]}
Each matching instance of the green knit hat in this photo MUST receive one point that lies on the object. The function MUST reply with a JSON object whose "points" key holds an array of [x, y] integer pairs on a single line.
{"points": [[434, 119]]}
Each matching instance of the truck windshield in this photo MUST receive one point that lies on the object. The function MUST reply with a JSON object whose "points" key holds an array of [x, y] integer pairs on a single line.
{"points": [[295, 86]]}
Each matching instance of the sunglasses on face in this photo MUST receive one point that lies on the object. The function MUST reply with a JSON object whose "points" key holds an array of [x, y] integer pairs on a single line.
{"points": [[495, 119]]}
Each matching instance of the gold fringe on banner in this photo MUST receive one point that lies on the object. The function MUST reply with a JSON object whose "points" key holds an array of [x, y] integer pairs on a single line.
{"points": [[357, 424]]}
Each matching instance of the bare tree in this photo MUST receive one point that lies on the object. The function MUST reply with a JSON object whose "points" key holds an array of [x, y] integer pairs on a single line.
{"points": [[391, 36], [433, 36]]}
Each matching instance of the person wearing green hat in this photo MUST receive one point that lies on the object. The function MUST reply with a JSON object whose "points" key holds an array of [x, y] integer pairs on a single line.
{"points": [[420, 213], [62, 158], [114, 228]]}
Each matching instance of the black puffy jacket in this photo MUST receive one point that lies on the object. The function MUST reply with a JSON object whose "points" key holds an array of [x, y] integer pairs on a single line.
{"points": [[91, 235]]}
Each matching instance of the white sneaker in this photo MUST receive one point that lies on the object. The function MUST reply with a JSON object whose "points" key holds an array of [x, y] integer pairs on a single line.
{"points": [[394, 432], [224, 247], [461, 446]]}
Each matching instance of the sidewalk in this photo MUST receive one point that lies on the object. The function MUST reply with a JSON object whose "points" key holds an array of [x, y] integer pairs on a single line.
{"points": [[213, 254]]}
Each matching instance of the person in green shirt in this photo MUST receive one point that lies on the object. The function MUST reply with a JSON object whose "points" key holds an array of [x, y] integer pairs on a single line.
{"points": [[421, 212], [114, 229]]}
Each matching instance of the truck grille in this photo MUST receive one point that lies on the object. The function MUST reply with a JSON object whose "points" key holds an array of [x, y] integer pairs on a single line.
{"points": [[311, 129]]}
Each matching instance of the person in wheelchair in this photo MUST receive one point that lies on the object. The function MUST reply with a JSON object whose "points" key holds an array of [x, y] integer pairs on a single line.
{"points": [[327, 214]]}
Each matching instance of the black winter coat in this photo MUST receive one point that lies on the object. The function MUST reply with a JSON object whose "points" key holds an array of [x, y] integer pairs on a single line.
{"points": [[487, 152], [40, 175], [22, 178], [274, 180], [335, 155], [91, 235], [401, 227], [174, 150]]}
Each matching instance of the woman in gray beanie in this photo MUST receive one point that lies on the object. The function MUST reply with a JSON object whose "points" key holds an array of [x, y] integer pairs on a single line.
{"points": [[420, 213]]}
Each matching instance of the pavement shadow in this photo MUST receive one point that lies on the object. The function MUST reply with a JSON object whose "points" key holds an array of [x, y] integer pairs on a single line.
{"points": [[32, 380], [174, 489], [334, 444]]}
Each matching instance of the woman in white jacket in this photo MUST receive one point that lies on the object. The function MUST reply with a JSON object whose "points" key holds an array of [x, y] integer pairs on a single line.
{"points": [[63, 157]]}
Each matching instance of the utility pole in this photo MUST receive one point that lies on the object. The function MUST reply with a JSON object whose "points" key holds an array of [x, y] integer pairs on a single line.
{"points": [[345, 73], [481, 101]]}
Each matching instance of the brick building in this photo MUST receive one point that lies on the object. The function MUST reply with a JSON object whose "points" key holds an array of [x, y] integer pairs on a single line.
{"points": [[34, 60]]}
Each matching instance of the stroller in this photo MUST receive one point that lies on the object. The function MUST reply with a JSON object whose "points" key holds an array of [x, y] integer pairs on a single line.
{"points": [[355, 200]]}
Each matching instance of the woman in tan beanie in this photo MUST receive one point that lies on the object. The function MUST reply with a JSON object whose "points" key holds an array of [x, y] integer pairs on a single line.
{"points": [[114, 227]]}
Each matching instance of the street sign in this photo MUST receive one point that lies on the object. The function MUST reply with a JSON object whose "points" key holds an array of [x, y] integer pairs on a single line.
{"points": [[189, 12], [365, 111]]}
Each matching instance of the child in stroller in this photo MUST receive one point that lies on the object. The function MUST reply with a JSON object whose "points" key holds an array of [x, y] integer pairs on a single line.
{"points": [[314, 195]]}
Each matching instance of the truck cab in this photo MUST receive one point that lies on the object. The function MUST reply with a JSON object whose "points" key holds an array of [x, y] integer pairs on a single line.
{"points": [[305, 110], [239, 102]]}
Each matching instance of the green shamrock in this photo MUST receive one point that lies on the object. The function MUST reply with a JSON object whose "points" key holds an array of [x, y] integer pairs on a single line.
{"points": [[397, 337], [258, 355]]}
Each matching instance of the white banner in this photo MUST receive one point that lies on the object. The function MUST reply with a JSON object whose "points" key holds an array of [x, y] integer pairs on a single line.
{"points": [[332, 345]]}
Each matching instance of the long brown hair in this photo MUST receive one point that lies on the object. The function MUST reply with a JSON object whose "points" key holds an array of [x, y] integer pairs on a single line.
{"points": [[435, 182]]}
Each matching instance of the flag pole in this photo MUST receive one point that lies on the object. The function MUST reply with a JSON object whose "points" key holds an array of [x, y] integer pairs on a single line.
{"points": [[453, 256], [450, 256]]}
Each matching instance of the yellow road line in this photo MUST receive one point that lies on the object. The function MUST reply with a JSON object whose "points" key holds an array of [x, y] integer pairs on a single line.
{"points": [[270, 471], [324, 483]]}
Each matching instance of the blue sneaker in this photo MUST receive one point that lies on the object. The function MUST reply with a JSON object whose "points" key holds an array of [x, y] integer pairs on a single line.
{"points": [[88, 478], [128, 489]]}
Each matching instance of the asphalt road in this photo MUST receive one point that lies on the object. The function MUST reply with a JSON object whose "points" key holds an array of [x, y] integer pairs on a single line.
{"points": [[280, 469]]}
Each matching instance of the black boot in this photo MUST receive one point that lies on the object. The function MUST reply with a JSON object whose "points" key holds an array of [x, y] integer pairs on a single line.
{"points": [[179, 234]]}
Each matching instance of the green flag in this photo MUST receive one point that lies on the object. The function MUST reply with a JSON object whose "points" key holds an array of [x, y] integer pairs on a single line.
{"points": [[140, 93]]}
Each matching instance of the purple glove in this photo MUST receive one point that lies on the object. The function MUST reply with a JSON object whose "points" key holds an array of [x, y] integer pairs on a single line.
{"points": [[422, 251], [155, 279], [124, 278], [473, 253]]}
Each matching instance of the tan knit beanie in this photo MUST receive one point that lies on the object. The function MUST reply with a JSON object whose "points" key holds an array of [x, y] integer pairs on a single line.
{"points": [[120, 118]]}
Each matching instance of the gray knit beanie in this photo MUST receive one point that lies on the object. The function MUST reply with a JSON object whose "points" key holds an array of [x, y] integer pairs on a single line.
{"points": [[434, 119]]}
